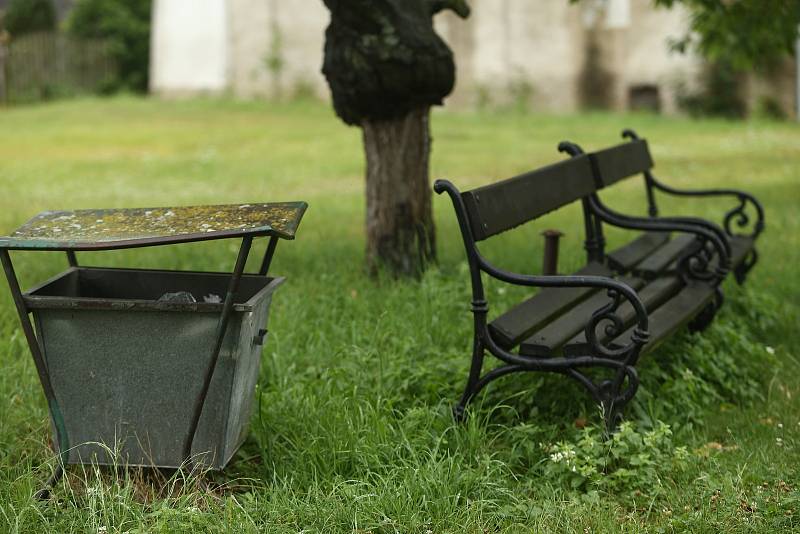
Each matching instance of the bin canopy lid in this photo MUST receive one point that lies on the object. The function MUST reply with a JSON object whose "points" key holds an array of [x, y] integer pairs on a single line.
{"points": [[108, 229]]}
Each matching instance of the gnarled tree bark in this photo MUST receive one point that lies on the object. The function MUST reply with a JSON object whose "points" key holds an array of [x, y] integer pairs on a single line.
{"points": [[386, 67]]}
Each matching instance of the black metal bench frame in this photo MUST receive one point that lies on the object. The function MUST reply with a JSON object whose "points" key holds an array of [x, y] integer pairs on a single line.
{"points": [[496, 208], [629, 159]]}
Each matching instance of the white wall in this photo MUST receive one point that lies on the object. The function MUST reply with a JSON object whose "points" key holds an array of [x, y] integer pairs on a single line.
{"points": [[507, 49], [618, 15], [189, 46], [526, 47], [643, 56], [293, 30]]}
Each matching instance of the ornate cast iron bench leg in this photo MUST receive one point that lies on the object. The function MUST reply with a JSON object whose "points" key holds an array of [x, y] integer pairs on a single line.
{"points": [[741, 270], [704, 319], [471, 388]]}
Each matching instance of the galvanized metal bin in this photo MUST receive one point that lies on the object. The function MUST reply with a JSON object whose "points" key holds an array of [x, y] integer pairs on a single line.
{"points": [[148, 367], [126, 368]]}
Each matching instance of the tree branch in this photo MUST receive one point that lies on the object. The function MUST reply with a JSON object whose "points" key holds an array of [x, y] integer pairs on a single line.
{"points": [[459, 7]]}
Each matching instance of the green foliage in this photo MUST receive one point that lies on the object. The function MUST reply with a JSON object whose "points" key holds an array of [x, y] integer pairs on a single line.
{"points": [[125, 24], [720, 93], [627, 461], [684, 386], [29, 16], [274, 60], [521, 93], [746, 33], [771, 108]]}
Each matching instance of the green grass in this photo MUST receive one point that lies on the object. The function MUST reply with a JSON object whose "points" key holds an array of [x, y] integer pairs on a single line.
{"points": [[352, 430]]}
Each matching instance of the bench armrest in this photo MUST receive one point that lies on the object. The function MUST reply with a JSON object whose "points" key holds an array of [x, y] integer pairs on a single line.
{"points": [[617, 291], [675, 222], [719, 243], [738, 213]]}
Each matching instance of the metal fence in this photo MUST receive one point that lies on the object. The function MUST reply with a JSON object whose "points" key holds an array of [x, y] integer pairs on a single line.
{"points": [[44, 66]]}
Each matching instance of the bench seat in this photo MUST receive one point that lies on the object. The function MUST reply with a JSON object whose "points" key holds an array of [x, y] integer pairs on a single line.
{"points": [[549, 339], [625, 257], [664, 257], [510, 328], [674, 314], [570, 337], [552, 321], [650, 254]]}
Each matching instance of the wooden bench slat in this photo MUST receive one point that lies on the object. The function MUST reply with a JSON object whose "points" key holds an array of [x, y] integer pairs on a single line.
{"points": [[621, 161], [552, 337], [501, 206], [652, 296], [672, 315], [663, 257], [510, 328], [624, 258]]}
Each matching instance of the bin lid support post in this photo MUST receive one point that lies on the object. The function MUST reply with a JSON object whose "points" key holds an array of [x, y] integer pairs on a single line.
{"points": [[41, 369], [222, 327], [267, 261]]}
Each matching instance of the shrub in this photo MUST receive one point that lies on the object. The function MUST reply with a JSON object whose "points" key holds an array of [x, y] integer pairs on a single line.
{"points": [[720, 94], [29, 16], [125, 25], [770, 108], [625, 462]]}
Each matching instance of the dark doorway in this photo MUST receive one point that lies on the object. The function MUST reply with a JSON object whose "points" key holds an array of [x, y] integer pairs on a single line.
{"points": [[644, 98]]}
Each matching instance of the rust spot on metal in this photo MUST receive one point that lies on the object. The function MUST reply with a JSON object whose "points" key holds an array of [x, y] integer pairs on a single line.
{"points": [[109, 228]]}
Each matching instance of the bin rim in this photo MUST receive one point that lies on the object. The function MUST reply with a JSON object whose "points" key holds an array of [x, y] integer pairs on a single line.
{"points": [[47, 302]]}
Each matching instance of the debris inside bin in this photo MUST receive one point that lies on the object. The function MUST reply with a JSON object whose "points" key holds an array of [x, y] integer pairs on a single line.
{"points": [[182, 297], [211, 298]]}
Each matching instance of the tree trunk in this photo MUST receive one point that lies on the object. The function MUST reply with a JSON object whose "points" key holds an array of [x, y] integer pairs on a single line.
{"points": [[400, 230]]}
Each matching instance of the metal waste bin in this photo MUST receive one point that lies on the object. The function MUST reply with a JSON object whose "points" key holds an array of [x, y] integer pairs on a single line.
{"points": [[149, 367]]}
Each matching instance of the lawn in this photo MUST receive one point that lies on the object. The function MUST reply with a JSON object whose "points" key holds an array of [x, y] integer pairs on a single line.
{"points": [[352, 430]]}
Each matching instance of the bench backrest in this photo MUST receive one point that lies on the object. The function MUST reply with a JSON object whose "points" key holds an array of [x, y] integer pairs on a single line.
{"points": [[501, 206], [621, 161]]}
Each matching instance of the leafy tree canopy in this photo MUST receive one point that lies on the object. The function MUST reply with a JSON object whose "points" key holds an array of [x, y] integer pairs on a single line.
{"points": [[29, 16], [125, 24], [746, 33]]}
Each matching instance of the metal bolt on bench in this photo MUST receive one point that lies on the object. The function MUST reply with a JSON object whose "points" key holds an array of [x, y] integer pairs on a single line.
{"points": [[146, 367]]}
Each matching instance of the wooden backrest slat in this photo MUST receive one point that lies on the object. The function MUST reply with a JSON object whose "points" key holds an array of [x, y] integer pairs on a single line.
{"points": [[498, 207], [621, 161]]}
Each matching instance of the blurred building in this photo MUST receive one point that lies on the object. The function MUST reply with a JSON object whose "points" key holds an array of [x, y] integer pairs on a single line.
{"points": [[545, 54]]}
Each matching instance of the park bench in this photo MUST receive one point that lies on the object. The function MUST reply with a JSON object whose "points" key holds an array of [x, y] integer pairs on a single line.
{"points": [[633, 158], [593, 325]]}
